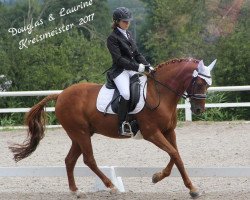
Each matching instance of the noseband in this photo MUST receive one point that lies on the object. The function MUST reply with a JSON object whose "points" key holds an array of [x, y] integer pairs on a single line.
{"points": [[191, 95]]}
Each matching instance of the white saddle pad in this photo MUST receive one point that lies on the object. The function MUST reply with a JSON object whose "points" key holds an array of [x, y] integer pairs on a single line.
{"points": [[105, 96]]}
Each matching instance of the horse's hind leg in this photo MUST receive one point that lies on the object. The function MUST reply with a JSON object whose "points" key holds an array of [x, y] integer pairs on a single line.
{"points": [[70, 162], [84, 142]]}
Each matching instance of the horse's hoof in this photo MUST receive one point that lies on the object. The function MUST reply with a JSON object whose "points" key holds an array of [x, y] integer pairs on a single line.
{"points": [[156, 178], [113, 190], [197, 194], [79, 194]]}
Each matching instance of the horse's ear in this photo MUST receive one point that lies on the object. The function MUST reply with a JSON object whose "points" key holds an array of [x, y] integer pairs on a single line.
{"points": [[211, 66], [200, 66]]}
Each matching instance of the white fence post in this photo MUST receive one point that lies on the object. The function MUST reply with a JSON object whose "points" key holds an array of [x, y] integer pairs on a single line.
{"points": [[111, 174], [188, 112]]}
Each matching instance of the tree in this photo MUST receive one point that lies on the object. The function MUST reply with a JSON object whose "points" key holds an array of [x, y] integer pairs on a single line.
{"points": [[233, 51], [65, 58], [174, 29], [204, 30], [98, 27], [76, 55]]}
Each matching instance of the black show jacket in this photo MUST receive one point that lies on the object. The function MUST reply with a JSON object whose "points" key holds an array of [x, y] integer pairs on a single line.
{"points": [[124, 53]]}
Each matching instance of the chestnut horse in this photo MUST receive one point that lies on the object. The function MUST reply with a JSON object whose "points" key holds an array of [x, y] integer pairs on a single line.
{"points": [[77, 113]]}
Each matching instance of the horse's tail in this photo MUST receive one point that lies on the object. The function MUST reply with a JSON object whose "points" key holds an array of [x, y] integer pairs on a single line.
{"points": [[35, 120]]}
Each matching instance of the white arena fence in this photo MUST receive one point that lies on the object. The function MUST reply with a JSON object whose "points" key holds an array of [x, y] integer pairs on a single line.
{"points": [[115, 173], [186, 106]]}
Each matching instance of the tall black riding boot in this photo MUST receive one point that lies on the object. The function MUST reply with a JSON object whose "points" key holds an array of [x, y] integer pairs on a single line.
{"points": [[124, 126]]}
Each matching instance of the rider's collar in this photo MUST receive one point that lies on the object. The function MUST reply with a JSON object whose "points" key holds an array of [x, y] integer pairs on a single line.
{"points": [[124, 32]]}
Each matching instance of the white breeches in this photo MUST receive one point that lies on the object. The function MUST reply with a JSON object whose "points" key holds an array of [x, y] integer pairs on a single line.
{"points": [[122, 83]]}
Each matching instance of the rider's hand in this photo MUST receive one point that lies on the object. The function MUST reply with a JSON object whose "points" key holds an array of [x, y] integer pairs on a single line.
{"points": [[145, 68], [141, 67], [149, 68]]}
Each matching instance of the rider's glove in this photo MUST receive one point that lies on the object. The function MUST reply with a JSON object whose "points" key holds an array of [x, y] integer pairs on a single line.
{"points": [[145, 68], [141, 67]]}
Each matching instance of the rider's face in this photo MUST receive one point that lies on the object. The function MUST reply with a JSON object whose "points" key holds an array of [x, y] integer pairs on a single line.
{"points": [[124, 24]]}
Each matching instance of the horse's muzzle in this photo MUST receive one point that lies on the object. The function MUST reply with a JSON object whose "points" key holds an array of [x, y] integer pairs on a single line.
{"points": [[197, 109]]}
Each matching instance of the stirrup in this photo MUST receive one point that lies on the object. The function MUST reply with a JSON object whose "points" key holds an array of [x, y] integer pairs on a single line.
{"points": [[126, 131]]}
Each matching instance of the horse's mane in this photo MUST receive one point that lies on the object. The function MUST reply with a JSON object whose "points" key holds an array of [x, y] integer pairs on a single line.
{"points": [[174, 60]]}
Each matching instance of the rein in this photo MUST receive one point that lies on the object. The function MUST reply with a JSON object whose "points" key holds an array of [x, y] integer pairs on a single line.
{"points": [[158, 92], [184, 96]]}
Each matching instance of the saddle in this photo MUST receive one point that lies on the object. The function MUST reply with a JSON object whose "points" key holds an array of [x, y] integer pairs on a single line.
{"points": [[134, 93], [108, 98]]}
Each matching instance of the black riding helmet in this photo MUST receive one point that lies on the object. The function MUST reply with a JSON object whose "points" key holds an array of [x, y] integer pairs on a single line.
{"points": [[123, 14]]}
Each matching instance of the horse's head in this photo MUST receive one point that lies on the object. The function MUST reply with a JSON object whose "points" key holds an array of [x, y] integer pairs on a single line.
{"points": [[197, 89]]}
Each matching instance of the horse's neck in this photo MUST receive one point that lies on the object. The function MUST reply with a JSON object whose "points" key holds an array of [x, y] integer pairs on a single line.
{"points": [[176, 76]]}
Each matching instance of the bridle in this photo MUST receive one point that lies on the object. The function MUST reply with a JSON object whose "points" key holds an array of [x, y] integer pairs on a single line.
{"points": [[194, 95], [186, 95]]}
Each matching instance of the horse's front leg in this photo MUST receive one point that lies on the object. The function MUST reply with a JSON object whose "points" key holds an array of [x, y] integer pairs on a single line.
{"points": [[159, 140], [171, 137], [164, 173]]}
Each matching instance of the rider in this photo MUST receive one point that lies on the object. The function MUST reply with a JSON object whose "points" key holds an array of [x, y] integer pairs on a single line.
{"points": [[127, 61]]}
